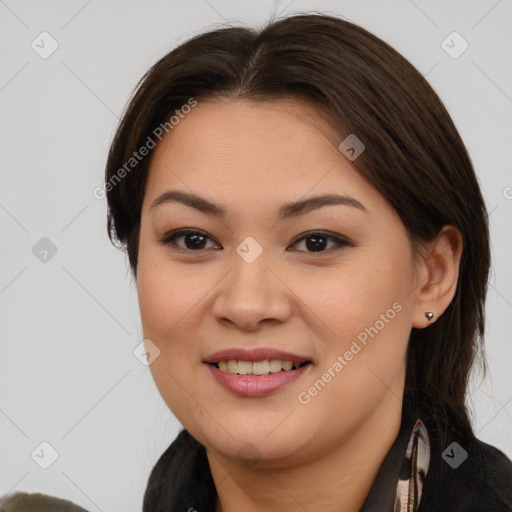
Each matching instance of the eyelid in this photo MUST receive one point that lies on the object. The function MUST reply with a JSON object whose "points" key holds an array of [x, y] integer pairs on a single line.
{"points": [[168, 239], [340, 241]]}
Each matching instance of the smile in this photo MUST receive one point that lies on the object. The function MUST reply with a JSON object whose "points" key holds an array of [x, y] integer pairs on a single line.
{"points": [[257, 379], [264, 367]]}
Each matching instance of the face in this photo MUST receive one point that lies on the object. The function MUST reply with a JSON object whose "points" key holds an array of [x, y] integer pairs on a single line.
{"points": [[235, 273]]}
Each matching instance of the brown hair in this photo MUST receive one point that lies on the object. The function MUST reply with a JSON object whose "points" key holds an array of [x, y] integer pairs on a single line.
{"points": [[414, 157]]}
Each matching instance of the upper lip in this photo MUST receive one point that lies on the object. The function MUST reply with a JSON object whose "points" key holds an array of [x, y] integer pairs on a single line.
{"points": [[255, 354]]}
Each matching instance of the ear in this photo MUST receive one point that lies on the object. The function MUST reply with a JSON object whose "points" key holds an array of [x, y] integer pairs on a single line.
{"points": [[437, 275]]}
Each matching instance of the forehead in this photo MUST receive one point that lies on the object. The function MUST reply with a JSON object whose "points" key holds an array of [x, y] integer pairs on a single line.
{"points": [[254, 148], [243, 126]]}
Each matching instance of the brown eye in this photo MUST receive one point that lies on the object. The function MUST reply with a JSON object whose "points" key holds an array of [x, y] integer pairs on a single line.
{"points": [[192, 240], [319, 241]]}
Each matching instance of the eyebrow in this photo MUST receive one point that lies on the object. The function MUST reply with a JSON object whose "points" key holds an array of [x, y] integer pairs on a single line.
{"points": [[286, 211]]}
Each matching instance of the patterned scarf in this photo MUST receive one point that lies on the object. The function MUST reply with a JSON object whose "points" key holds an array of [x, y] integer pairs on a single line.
{"points": [[414, 470]]}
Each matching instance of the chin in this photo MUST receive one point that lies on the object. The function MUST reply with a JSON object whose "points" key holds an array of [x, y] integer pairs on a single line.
{"points": [[257, 446], [260, 452]]}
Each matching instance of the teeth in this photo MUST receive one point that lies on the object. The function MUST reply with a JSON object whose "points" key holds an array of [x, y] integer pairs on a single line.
{"points": [[244, 367], [275, 365], [257, 368], [287, 365]]}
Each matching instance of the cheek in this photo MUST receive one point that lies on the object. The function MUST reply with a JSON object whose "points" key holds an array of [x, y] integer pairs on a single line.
{"points": [[156, 299], [173, 300], [166, 301], [164, 293], [362, 313], [351, 296]]}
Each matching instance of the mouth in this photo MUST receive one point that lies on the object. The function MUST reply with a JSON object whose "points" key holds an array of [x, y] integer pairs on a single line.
{"points": [[257, 372], [258, 368]]}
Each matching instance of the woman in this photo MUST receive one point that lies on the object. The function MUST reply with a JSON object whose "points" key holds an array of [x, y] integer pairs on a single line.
{"points": [[311, 252]]}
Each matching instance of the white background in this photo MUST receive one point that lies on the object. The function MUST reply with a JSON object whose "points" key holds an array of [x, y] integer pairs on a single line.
{"points": [[68, 326]]}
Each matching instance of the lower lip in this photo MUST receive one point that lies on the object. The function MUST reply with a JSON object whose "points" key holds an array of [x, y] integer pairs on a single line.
{"points": [[256, 385]]}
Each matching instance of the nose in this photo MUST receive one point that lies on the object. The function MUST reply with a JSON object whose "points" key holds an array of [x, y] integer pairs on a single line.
{"points": [[251, 295]]}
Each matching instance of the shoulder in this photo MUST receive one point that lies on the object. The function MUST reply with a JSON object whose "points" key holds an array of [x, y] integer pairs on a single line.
{"points": [[468, 475], [36, 502], [492, 473]]}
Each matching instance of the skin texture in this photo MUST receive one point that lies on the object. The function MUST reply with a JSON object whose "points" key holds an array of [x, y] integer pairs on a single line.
{"points": [[251, 158]]}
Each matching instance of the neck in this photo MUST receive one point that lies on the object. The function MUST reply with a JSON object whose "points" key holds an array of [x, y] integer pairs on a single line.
{"points": [[338, 480]]}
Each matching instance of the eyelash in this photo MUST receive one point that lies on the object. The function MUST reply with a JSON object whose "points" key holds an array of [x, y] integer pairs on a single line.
{"points": [[169, 240]]}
